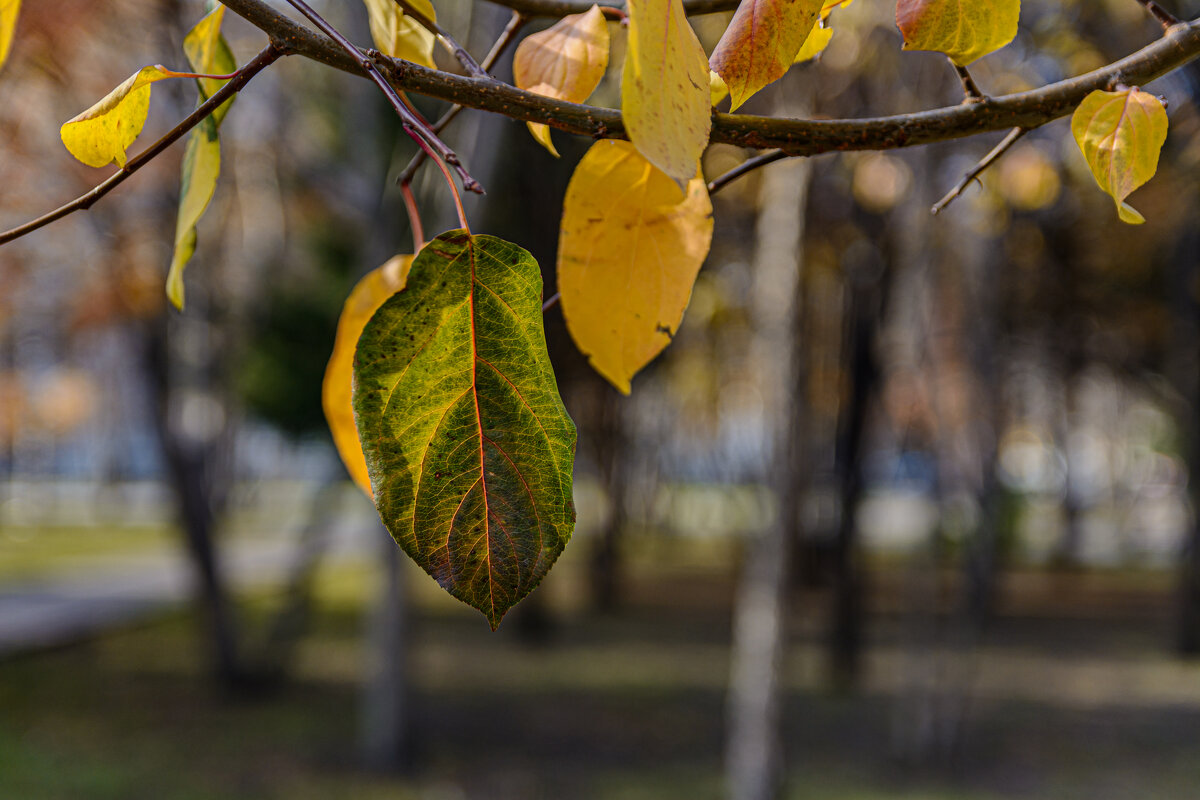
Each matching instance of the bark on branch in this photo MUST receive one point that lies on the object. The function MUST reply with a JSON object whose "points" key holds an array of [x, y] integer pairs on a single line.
{"points": [[796, 137]]}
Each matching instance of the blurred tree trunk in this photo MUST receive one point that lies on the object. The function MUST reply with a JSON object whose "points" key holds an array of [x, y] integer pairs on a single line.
{"points": [[1186, 366], [610, 446], [754, 757], [386, 741]]}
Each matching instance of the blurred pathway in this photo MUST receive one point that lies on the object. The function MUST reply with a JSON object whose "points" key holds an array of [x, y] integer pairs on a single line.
{"points": [[108, 592]]}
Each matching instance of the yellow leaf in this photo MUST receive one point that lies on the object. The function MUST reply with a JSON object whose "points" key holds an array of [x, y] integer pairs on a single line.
{"points": [[830, 5], [761, 42], [336, 392], [106, 130], [816, 42], [1121, 135], [207, 52], [201, 167], [401, 36], [630, 248], [965, 30], [8, 24], [717, 89], [664, 88], [566, 61]]}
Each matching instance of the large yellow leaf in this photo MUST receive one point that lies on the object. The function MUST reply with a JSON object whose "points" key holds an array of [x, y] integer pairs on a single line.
{"points": [[630, 249], [8, 24], [965, 30], [336, 392], [566, 61], [664, 89], [208, 53], [401, 36], [104, 132], [761, 42], [1121, 135]]}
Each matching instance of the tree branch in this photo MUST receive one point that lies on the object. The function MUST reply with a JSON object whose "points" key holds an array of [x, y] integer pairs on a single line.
{"points": [[749, 165], [256, 65], [1031, 109], [562, 8], [1007, 142], [1165, 18]]}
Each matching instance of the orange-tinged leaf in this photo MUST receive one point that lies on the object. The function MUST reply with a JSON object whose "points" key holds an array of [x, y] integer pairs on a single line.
{"points": [[337, 390], [104, 132], [761, 42], [8, 24], [1121, 135], [630, 248], [664, 88], [566, 61], [400, 36], [965, 30]]}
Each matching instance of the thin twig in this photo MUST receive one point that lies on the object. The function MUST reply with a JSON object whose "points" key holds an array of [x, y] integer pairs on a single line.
{"points": [[549, 304], [256, 65], [749, 165], [1005, 144], [970, 88], [1165, 18], [444, 39], [414, 218], [506, 37], [421, 134]]}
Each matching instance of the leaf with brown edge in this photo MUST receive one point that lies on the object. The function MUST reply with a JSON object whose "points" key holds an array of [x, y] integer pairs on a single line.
{"points": [[665, 96], [566, 61], [336, 391], [965, 30], [1121, 135], [8, 25], [629, 251], [761, 42], [467, 443]]}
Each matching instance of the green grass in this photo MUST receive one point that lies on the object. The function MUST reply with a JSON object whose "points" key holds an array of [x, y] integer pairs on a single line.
{"points": [[27, 552]]}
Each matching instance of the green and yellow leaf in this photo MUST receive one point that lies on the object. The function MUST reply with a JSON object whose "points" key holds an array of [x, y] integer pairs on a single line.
{"points": [[400, 36], [103, 134], [629, 251], [566, 61], [208, 53], [761, 42], [8, 25], [665, 95], [1121, 135], [336, 391], [965, 30], [467, 443]]}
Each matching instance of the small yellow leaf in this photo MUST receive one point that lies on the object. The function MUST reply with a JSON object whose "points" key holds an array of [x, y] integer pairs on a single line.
{"points": [[664, 88], [965, 30], [816, 42], [566, 61], [1121, 135], [761, 42], [8, 24], [717, 89], [630, 248], [400, 36], [336, 392], [104, 132]]}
